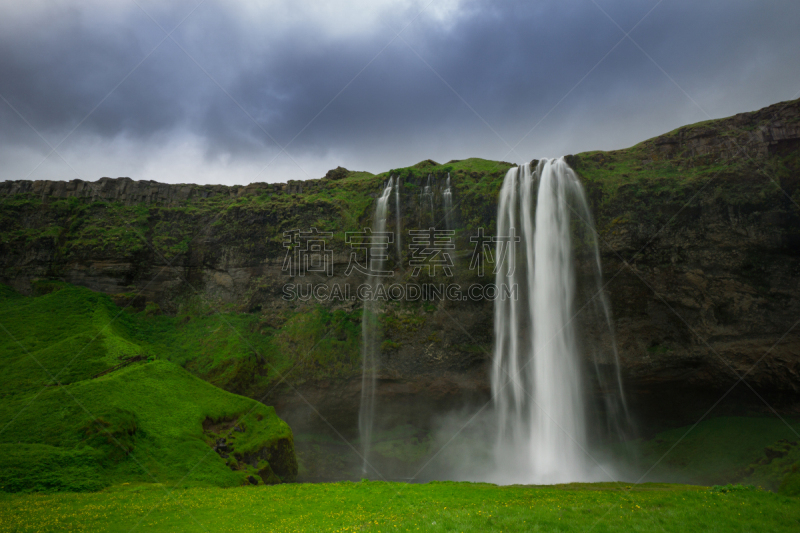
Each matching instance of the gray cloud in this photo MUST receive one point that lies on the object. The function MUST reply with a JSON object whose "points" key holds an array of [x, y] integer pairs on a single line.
{"points": [[463, 79]]}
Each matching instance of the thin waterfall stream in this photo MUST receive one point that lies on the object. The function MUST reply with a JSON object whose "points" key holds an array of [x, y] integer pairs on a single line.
{"points": [[427, 196], [447, 195], [369, 328]]}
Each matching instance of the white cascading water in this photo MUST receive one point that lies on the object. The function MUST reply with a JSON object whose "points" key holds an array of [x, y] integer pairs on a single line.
{"points": [[398, 228], [370, 331], [537, 382], [427, 195], [448, 204]]}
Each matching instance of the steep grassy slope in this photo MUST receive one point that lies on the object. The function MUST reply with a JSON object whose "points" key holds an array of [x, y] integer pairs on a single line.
{"points": [[245, 352], [86, 402]]}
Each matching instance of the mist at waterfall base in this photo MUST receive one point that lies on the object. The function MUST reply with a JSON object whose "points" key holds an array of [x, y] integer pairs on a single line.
{"points": [[557, 404]]}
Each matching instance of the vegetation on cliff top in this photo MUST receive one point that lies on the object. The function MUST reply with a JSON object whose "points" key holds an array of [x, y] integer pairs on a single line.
{"points": [[86, 403], [77, 228]]}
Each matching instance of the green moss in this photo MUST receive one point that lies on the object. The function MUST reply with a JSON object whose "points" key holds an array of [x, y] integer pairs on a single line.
{"points": [[723, 450], [390, 346], [473, 348], [659, 349], [724, 489], [398, 323], [777, 463], [790, 485]]}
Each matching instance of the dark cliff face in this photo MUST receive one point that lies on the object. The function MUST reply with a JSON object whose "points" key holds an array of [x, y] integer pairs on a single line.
{"points": [[702, 260], [700, 242]]}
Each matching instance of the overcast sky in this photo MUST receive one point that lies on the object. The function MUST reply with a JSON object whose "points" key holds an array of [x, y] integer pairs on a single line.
{"points": [[238, 92]]}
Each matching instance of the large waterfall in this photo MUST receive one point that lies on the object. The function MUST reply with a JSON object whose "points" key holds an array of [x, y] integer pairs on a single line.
{"points": [[538, 381], [369, 327]]}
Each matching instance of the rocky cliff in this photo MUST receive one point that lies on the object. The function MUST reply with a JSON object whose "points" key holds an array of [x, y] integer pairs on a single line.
{"points": [[702, 253], [699, 231]]}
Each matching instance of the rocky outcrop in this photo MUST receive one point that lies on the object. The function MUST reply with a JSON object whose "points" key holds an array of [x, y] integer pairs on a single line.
{"points": [[772, 130], [274, 461]]}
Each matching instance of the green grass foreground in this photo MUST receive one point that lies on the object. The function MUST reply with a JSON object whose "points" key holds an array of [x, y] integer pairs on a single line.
{"points": [[381, 506]]}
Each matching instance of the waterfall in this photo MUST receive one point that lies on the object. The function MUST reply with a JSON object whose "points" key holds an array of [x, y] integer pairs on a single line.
{"points": [[448, 204], [398, 228], [427, 196], [538, 384], [370, 328]]}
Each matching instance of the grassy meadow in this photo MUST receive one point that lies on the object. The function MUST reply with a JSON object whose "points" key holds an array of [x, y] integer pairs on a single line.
{"points": [[392, 507]]}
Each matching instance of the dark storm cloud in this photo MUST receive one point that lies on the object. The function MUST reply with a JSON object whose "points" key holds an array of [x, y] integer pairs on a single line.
{"points": [[500, 67]]}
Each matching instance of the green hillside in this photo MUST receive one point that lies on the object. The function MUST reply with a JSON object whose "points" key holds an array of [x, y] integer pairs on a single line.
{"points": [[86, 402]]}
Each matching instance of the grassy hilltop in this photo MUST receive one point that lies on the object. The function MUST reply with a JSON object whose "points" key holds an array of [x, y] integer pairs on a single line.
{"points": [[86, 403]]}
